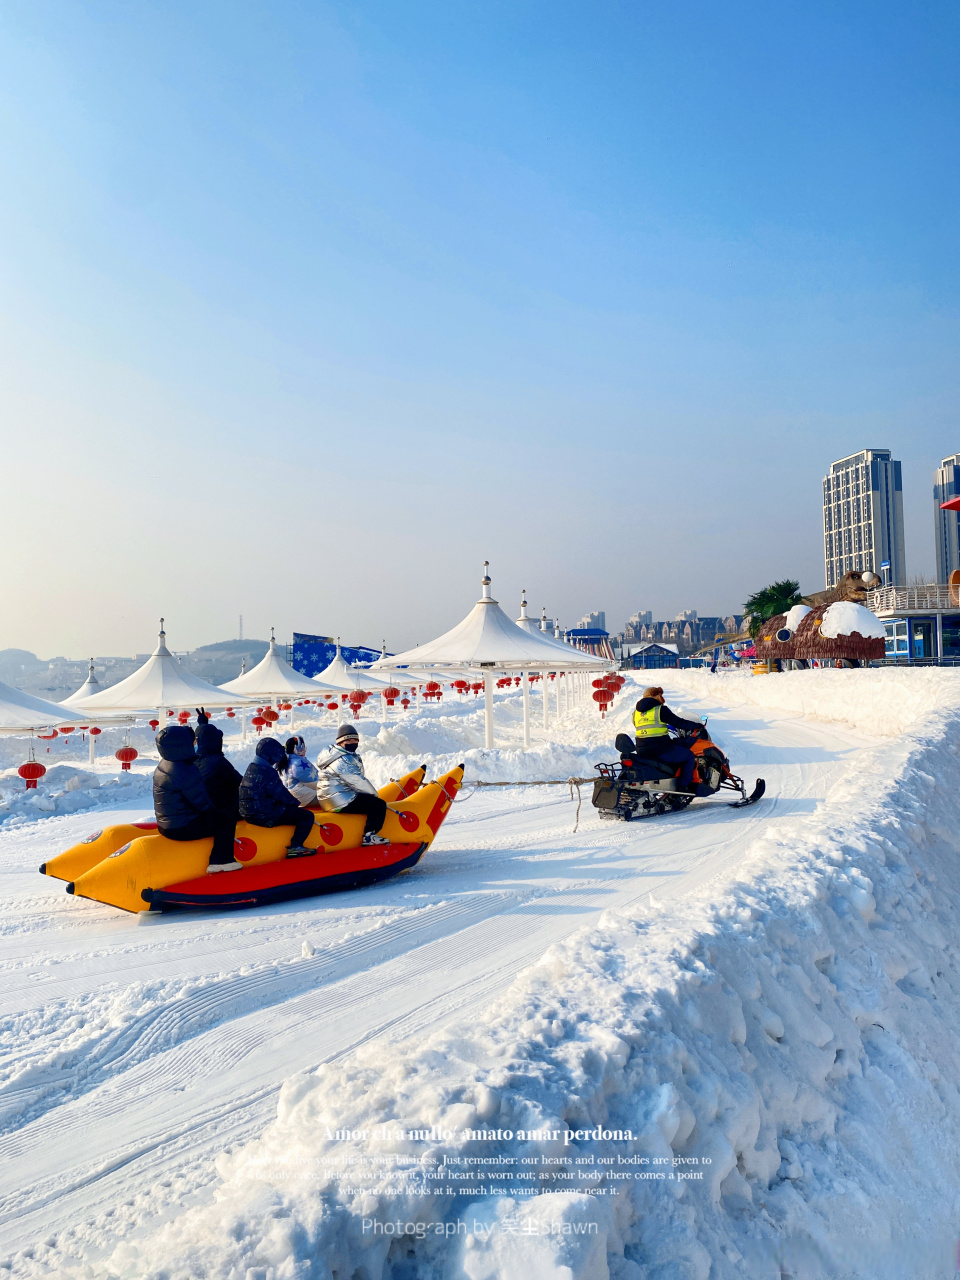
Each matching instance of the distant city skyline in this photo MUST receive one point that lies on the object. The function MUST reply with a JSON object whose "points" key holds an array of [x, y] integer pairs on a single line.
{"points": [[309, 311]]}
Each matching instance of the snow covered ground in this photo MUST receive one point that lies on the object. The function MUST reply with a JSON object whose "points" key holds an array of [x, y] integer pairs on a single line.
{"points": [[766, 1001]]}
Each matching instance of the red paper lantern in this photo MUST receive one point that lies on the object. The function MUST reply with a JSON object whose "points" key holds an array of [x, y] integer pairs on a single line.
{"points": [[126, 756], [477, 688], [404, 702], [603, 697], [391, 694], [154, 725], [67, 728], [286, 706], [271, 715], [333, 706], [95, 732], [231, 715], [30, 772], [258, 722], [47, 736], [170, 713]]}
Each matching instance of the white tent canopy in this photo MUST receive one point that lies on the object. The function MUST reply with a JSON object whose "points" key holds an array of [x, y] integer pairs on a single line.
{"points": [[161, 683], [272, 677], [344, 679], [89, 687], [22, 712], [486, 640]]}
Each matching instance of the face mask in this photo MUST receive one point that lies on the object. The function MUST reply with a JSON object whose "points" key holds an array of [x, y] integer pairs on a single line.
{"points": [[350, 744]]}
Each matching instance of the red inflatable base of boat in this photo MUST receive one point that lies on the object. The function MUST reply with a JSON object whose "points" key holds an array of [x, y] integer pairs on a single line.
{"points": [[292, 878]]}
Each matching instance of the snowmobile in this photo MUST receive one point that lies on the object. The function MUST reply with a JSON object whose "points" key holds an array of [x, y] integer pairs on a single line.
{"points": [[639, 787]]}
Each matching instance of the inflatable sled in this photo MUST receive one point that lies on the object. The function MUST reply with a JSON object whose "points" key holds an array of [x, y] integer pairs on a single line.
{"points": [[133, 867]]}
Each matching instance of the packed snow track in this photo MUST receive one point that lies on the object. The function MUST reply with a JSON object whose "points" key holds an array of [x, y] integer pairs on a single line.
{"points": [[138, 1048]]}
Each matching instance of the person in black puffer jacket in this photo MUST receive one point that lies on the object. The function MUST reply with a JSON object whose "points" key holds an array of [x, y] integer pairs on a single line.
{"points": [[266, 802], [219, 776], [184, 809]]}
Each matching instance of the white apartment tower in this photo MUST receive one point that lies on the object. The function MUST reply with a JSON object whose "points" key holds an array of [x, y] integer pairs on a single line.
{"points": [[946, 484], [863, 517]]}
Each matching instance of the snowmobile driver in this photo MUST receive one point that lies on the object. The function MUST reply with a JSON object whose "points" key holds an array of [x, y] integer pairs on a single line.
{"points": [[652, 722]]}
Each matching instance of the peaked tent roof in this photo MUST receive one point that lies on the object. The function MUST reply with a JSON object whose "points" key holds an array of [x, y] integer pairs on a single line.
{"points": [[89, 687], [271, 677], [343, 678], [160, 682], [525, 623], [487, 638], [20, 712]]}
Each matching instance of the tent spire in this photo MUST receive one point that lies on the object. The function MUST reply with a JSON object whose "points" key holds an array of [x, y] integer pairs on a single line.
{"points": [[543, 618], [273, 643], [161, 650], [486, 598]]}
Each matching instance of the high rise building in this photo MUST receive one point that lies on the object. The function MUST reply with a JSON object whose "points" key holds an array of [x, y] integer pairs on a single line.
{"points": [[594, 621], [863, 517], [946, 484]]}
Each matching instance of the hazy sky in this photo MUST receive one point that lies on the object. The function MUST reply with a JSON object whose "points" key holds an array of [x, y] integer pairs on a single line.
{"points": [[309, 308]]}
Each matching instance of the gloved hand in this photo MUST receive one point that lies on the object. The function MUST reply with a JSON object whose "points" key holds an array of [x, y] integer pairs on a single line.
{"points": [[202, 717]]}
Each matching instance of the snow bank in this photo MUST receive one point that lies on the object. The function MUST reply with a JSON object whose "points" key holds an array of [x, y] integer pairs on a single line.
{"points": [[877, 701], [844, 618], [789, 1038]]}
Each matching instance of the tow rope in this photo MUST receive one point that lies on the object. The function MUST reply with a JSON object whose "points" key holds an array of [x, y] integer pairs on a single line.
{"points": [[542, 782]]}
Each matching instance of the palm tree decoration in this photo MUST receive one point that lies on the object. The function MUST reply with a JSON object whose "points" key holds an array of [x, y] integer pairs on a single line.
{"points": [[777, 598]]}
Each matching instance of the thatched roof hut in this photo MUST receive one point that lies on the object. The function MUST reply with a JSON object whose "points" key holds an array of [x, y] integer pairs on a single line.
{"points": [[829, 631]]}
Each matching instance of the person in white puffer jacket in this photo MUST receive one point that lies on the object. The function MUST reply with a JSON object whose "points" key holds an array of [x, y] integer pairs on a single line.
{"points": [[343, 787], [298, 775]]}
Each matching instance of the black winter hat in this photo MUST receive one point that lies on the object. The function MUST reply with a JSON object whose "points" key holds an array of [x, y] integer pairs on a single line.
{"points": [[347, 731], [209, 740], [271, 750], [175, 742]]}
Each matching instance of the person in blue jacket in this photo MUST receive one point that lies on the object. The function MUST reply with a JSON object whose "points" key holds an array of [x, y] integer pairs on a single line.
{"points": [[266, 802], [184, 809], [298, 774]]}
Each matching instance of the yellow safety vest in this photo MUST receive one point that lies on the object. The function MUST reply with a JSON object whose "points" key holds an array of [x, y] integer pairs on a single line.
{"points": [[648, 724]]}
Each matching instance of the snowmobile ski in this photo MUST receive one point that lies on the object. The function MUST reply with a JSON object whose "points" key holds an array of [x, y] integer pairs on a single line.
{"points": [[752, 798]]}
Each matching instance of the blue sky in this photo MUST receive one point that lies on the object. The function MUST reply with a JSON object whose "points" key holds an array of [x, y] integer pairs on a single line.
{"points": [[307, 309]]}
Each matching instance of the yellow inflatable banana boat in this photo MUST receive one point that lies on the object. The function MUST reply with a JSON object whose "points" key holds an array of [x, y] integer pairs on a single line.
{"points": [[133, 867]]}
